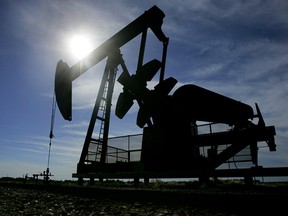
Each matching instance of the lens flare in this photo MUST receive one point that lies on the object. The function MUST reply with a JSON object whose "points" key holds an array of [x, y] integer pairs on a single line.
{"points": [[80, 46]]}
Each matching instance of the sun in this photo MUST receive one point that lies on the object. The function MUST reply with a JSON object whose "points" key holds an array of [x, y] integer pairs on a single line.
{"points": [[80, 46]]}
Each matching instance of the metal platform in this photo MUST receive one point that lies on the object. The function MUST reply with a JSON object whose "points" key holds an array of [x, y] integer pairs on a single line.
{"points": [[249, 172]]}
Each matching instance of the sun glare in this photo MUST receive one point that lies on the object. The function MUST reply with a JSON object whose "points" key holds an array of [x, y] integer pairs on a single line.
{"points": [[80, 46]]}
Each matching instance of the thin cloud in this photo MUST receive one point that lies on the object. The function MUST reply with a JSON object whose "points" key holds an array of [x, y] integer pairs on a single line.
{"points": [[235, 48], [77, 125]]}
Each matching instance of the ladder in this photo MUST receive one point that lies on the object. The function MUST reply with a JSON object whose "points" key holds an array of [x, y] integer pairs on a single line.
{"points": [[95, 150]]}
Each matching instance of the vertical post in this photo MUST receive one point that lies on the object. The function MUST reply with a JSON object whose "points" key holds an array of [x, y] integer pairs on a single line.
{"points": [[164, 54], [92, 181], [128, 148], [136, 181], [142, 49], [210, 128], [80, 181], [146, 180]]}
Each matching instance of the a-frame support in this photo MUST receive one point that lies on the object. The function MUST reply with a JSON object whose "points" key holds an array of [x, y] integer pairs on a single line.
{"points": [[95, 149]]}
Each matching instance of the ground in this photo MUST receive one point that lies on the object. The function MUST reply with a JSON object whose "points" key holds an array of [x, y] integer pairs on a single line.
{"points": [[159, 200]]}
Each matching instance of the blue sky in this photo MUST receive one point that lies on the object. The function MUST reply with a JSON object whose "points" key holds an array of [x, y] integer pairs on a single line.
{"points": [[235, 48]]}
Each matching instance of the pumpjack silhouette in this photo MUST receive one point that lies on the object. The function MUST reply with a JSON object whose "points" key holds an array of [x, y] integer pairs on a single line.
{"points": [[171, 140]]}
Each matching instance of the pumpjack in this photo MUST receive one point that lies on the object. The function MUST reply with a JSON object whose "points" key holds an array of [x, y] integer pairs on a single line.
{"points": [[171, 140]]}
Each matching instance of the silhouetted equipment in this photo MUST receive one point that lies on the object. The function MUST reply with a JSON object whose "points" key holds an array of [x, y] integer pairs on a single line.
{"points": [[173, 144], [152, 19], [45, 174]]}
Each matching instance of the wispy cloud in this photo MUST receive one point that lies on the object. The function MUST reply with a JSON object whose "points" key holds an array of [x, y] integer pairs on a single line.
{"points": [[235, 48]]}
